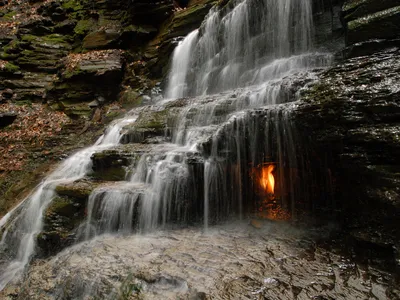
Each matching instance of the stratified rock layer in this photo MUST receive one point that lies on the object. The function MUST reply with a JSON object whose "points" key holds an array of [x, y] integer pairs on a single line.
{"points": [[352, 113]]}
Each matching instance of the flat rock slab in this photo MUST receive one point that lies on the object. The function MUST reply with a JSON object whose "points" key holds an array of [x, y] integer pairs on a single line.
{"points": [[80, 189], [274, 262]]}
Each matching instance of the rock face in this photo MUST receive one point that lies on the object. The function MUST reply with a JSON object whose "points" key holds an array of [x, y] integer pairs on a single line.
{"points": [[38, 39], [371, 25], [352, 113], [92, 76]]}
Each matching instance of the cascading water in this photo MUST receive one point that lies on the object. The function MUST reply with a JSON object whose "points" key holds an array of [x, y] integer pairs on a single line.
{"points": [[239, 64], [20, 232], [253, 46], [253, 42]]}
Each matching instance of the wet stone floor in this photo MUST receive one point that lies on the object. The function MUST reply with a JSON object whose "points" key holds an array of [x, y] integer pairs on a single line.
{"points": [[235, 261]]}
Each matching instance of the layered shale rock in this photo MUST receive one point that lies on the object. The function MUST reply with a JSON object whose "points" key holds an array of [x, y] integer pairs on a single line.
{"points": [[352, 113]]}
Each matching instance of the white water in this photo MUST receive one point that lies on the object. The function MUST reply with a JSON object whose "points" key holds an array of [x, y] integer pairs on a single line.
{"points": [[20, 233], [177, 86], [257, 40], [256, 46], [244, 54]]}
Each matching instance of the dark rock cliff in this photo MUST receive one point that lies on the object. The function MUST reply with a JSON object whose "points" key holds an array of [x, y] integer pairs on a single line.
{"points": [[352, 114]]}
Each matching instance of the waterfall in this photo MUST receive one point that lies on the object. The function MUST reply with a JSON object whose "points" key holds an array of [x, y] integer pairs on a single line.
{"points": [[20, 232], [255, 41], [177, 85], [241, 66]]}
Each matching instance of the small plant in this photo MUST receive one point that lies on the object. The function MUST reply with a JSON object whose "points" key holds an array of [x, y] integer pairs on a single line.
{"points": [[128, 289]]}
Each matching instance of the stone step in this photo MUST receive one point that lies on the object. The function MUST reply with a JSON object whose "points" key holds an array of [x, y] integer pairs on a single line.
{"points": [[81, 189], [165, 121], [119, 162], [32, 86]]}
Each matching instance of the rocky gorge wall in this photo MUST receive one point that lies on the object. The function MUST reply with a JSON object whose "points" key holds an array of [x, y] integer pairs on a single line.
{"points": [[351, 115], [69, 67]]}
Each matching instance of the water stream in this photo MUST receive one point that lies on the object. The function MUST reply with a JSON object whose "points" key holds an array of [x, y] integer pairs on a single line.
{"points": [[239, 69]]}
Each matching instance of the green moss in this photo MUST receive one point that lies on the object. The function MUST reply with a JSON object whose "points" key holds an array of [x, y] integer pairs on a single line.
{"points": [[155, 119], [78, 190], [380, 15], [50, 39], [130, 98], [72, 72], [61, 206], [29, 38], [84, 26], [9, 67], [9, 16], [351, 4], [12, 46], [55, 38], [73, 5], [6, 56], [321, 93]]}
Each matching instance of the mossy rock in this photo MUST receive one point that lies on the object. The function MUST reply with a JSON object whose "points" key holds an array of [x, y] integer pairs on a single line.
{"points": [[10, 68], [113, 164], [53, 39], [101, 39], [77, 110], [380, 25], [80, 189], [84, 26], [130, 98], [13, 47], [73, 5], [64, 206], [150, 124], [354, 9]]}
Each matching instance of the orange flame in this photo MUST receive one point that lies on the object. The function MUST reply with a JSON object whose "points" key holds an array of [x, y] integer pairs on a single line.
{"points": [[267, 179], [269, 208]]}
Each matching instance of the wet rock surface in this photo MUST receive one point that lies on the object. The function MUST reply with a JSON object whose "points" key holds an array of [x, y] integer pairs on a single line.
{"points": [[352, 113], [235, 261]]}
